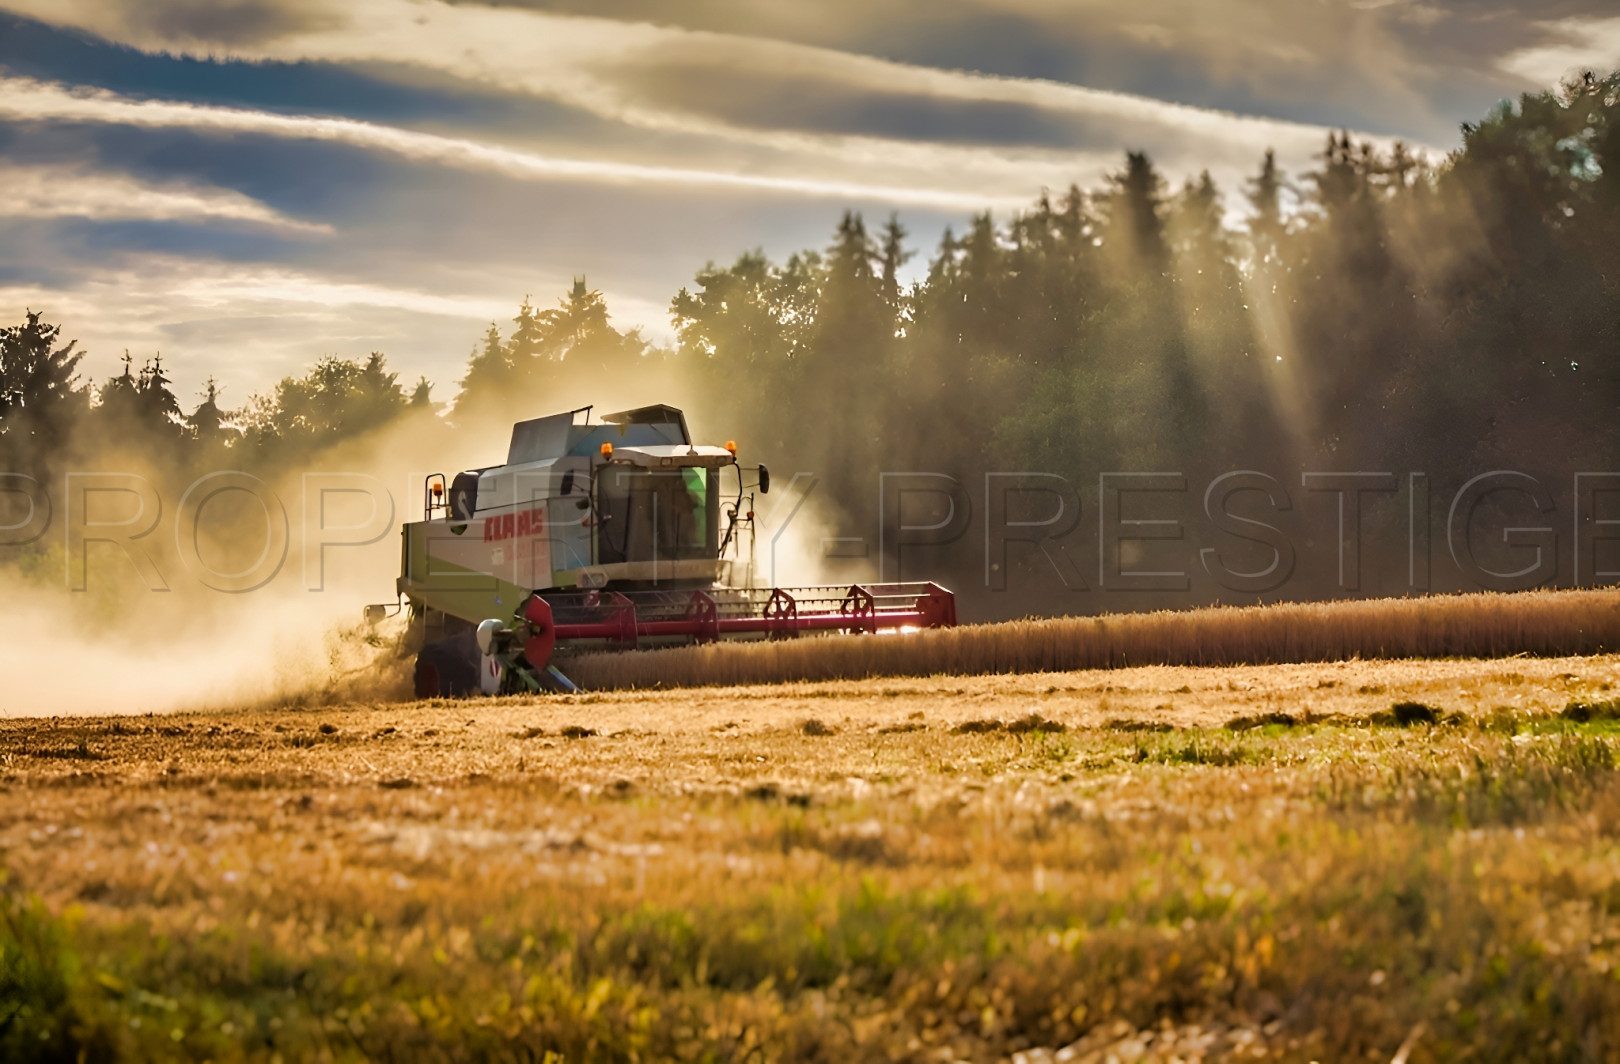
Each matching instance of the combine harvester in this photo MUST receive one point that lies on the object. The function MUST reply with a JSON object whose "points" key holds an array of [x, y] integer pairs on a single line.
{"points": [[615, 534]]}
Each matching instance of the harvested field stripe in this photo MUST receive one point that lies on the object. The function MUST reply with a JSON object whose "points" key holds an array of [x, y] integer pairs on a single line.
{"points": [[1486, 625]]}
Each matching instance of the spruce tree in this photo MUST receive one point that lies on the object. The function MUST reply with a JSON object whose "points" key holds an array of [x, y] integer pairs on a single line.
{"points": [[40, 396]]}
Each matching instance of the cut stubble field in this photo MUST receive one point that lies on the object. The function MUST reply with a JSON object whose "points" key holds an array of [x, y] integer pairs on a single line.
{"points": [[1357, 860]]}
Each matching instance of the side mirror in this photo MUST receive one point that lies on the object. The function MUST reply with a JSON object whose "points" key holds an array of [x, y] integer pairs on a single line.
{"points": [[764, 481]]}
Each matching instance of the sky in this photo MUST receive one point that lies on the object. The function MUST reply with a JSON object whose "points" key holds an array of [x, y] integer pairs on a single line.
{"points": [[248, 185]]}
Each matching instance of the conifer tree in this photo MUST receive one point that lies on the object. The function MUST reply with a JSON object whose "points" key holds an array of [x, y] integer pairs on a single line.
{"points": [[1264, 195], [894, 255], [40, 396], [491, 375], [206, 424]]}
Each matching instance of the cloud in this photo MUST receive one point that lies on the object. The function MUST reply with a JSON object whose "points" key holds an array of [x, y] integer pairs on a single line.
{"points": [[250, 323], [1408, 67], [613, 70], [1577, 44], [1411, 68], [49, 53], [271, 286], [190, 25], [26, 100], [1386, 67], [72, 192]]}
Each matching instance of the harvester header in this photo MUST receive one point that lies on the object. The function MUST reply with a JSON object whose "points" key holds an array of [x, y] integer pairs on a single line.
{"points": [[619, 533]]}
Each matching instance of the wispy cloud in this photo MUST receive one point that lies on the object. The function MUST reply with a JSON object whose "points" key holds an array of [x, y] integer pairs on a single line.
{"points": [[276, 286], [27, 100], [584, 60], [634, 73], [251, 324], [1577, 44], [77, 192]]}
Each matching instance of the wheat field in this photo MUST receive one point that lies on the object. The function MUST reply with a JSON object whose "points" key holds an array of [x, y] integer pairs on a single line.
{"points": [[1484, 625], [1345, 861]]}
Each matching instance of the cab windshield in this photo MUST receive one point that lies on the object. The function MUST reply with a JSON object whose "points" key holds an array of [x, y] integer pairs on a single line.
{"points": [[656, 514]]}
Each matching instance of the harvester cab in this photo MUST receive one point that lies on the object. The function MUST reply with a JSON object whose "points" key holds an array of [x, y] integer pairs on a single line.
{"points": [[609, 534]]}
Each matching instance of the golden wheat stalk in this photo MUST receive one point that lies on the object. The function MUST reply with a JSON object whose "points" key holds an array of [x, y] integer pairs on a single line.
{"points": [[1475, 625]]}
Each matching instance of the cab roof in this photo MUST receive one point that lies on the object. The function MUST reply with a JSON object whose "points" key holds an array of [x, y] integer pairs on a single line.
{"points": [[558, 435]]}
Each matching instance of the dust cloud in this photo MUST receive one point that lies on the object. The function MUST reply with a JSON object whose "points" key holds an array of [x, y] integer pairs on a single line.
{"points": [[121, 644], [188, 654]]}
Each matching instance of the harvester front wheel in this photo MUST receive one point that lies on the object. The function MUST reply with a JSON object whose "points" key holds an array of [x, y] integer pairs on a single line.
{"points": [[449, 667]]}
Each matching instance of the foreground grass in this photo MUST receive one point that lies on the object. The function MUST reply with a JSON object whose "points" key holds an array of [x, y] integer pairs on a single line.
{"points": [[1189, 863]]}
